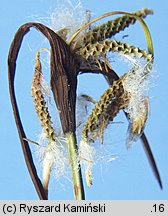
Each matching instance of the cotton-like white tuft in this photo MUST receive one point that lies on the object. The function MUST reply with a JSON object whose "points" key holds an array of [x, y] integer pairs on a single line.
{"points": [[91, 154], [137, 84], [53, 156], [68, 16]]}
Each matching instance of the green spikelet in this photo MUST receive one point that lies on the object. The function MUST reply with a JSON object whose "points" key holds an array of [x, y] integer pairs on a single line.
{"points": [[40, 103], [112, 27], [100, 49], [112, 100]]}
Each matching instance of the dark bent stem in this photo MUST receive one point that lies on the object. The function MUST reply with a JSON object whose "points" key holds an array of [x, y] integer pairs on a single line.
{"points": [[151, 159], [25, 145]]}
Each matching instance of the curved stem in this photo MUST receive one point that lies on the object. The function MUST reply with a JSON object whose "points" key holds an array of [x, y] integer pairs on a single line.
{"points": [[142, 22], [60, 55], [75, 166]]}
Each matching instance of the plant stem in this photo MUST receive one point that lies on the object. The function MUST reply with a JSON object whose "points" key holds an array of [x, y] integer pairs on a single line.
{"points": [[75, 166]]}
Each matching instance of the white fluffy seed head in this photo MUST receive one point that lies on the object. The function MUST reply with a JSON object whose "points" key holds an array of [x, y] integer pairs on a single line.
{"points": [[91, 154], [137, 90], [67, 16], [137, 84], [86, 153], [53, 154]]}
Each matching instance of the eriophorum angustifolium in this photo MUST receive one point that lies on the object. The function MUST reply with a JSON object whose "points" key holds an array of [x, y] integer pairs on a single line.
{"points": [[77, 46]]}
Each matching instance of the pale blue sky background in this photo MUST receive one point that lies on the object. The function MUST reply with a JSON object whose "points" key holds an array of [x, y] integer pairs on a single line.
{"points": [[129, 176]]}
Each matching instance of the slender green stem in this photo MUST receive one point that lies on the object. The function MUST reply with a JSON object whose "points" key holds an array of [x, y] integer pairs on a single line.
{"points": [[75, 166]]}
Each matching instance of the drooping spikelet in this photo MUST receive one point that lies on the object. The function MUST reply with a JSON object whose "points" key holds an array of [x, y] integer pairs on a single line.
{"points": [[129, 93], [100, 49], [109, 29], [52, 154], [109, 104], [40, 103]]}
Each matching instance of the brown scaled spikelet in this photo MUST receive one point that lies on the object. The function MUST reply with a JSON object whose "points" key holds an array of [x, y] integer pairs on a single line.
{"points": [[40, 103], [100, 49], [109, 104], [112, 27]]}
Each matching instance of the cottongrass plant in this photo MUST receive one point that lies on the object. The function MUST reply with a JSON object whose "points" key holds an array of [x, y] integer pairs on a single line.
{"points": [[77, 47]]}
